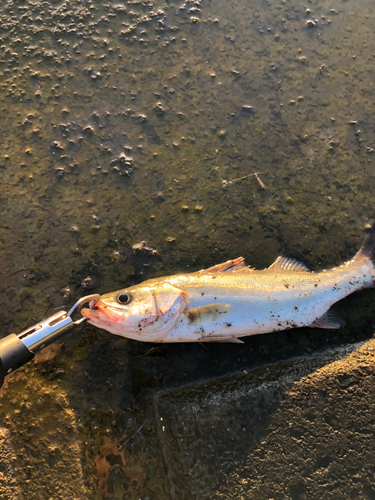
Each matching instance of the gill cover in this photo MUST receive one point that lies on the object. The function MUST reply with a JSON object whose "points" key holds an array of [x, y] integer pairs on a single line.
{"points": [[148, 315]]}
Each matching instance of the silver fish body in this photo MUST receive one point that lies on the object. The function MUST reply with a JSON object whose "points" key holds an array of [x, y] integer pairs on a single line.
{"points": [[230, 300]]}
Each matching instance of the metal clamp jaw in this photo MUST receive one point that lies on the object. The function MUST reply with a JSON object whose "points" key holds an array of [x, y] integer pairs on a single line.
{"points": [[16, 350], [48, 330]]}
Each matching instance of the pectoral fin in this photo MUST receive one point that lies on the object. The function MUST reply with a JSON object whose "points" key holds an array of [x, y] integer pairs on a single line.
{"points": [[211, 312], [330, 320]]}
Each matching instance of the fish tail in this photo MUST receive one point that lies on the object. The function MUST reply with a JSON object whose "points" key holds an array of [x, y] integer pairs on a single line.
{"points": [[367, 251]]}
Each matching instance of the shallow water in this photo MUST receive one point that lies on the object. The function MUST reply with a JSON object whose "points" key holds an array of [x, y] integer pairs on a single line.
{"points": [[145, 121]]}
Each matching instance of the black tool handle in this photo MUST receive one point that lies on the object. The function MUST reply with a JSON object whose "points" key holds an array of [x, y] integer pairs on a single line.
{"points": [[13, 354], [16, 350]]}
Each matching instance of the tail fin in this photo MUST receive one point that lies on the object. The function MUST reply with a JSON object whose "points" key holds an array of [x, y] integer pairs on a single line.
{"points": [[368, 248]]}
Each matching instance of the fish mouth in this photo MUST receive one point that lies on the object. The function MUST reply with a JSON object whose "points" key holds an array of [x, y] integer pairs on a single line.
{"points": [[102, 314]]}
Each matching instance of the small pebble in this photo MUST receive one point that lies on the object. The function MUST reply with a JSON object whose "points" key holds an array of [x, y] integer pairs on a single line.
{"points": [[87, 283]]}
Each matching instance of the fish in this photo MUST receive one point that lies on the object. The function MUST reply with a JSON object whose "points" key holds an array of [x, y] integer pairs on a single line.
{"points": [[231, 300]]}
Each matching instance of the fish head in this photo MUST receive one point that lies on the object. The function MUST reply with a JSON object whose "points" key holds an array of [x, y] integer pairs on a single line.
{"points": [[146, 312]]}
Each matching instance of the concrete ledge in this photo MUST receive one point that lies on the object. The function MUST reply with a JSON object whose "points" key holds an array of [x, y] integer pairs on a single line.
{"points": [[303, 429]]}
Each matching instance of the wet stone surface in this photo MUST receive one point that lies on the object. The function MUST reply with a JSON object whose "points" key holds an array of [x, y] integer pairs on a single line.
{"points": [[134, 127]]}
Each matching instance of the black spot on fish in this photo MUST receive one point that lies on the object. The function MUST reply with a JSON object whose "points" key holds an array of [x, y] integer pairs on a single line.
{"points": [[209, 312], [192, 316], [202, 293], [228, 325]]}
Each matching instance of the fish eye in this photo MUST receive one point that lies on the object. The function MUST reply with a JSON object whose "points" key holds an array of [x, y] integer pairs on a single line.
{"points": [[124, 298]]}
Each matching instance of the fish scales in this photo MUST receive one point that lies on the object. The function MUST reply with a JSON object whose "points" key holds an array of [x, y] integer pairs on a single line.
{"points": [[230, 300]]}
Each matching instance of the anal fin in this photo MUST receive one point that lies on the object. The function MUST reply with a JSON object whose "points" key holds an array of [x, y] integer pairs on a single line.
{"points": [[330, 320], [229, 340]]}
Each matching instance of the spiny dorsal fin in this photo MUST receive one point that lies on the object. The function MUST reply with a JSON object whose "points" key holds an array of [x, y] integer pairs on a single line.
{"points": [[233, 266], [288, 264]]}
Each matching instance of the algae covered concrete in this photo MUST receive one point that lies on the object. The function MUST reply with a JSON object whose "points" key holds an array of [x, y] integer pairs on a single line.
{"points": [[141, 121]]}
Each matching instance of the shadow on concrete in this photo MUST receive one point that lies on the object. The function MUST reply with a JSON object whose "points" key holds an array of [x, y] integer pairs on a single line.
{"points": [[295, 429]]}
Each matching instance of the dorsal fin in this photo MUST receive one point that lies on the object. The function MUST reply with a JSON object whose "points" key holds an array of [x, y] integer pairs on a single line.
{"points": [[232, 266], [288, 264]]}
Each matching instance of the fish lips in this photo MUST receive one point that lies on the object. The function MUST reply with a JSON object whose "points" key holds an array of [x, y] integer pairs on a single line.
{"points": [[101, 314]]}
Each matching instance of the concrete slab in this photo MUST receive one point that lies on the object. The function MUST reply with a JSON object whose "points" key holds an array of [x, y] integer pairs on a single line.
{"points": [[9, 488], [302, 429], [40, 452]]}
